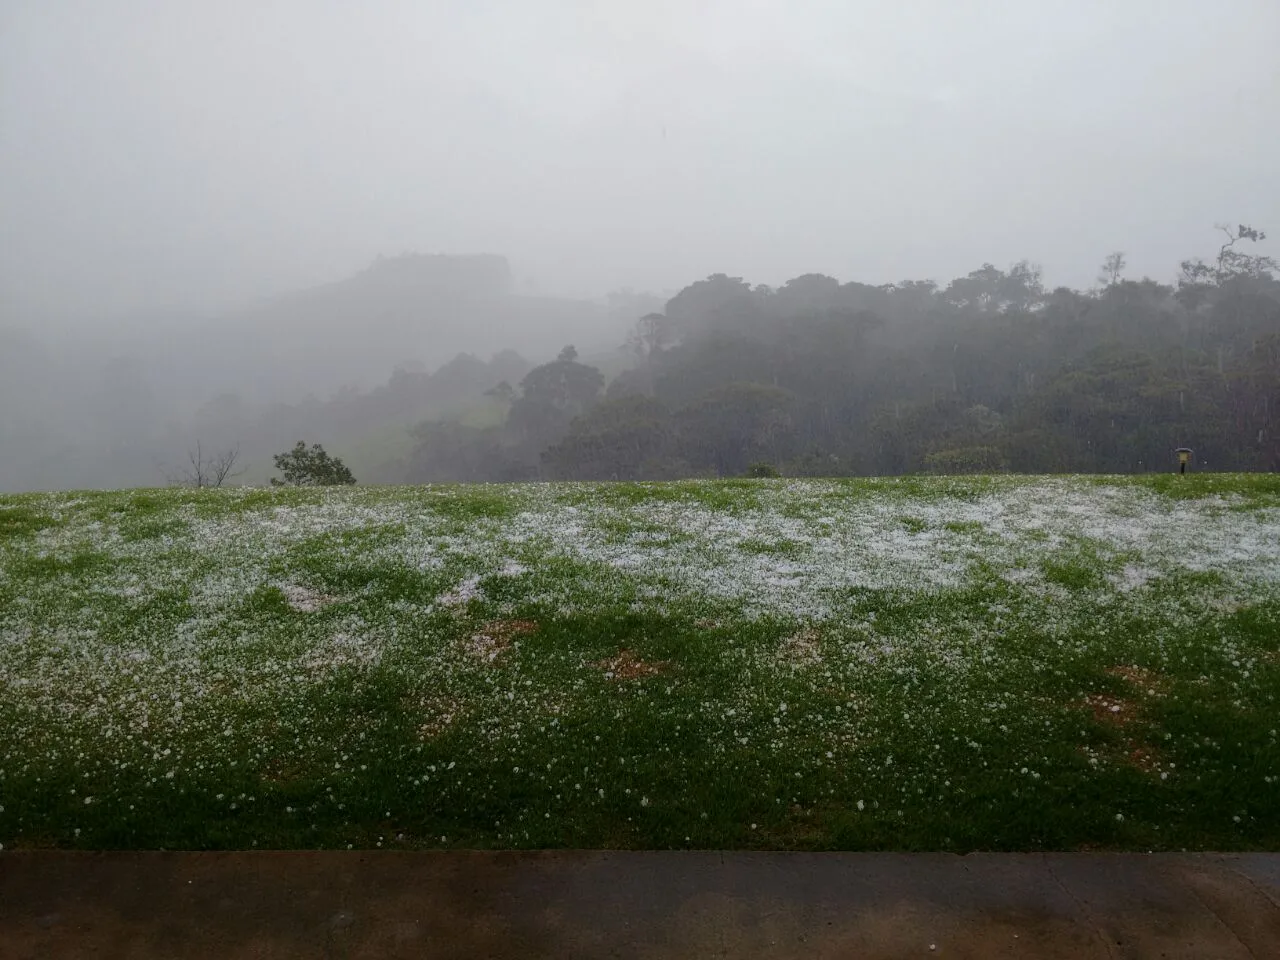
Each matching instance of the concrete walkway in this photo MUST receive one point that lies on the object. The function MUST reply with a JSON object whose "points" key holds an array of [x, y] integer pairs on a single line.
{"points": [[388, 905]]}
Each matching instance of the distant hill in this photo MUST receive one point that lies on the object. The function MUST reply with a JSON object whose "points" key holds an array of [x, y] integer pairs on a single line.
{"points": [[412, 308], [111, 403]]}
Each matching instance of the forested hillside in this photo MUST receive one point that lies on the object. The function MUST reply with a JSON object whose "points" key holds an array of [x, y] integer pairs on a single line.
{"points": [[989, 372], [345, 362]]}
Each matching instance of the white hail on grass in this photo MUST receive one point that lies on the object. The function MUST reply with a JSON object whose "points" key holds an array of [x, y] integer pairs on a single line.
{"points": [[197, 651]]}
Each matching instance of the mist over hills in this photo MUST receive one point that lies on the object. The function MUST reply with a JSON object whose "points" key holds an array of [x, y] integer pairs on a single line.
{"points": [[111, 406], [411, 308], [400, 310], [432, 368]]}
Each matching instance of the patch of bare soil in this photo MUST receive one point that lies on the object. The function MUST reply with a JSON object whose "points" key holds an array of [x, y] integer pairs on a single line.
{"points": [[1119, 713], [1146, 681], [1110, 710], [802, 648], [627, 666], [494, 639]]}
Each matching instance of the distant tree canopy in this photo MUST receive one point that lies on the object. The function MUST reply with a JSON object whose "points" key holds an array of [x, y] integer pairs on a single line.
{"points": [[988, 372], [551, 396], [305, 466]]}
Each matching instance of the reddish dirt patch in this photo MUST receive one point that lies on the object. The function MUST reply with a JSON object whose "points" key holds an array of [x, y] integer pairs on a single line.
{"points": [[1147, 681], [627, 666], [802, 647], [496, 637], [1109, 710], [1118, 714]]}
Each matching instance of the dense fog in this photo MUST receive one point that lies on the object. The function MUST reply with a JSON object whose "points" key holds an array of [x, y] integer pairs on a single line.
{"points": [[814, 237]]}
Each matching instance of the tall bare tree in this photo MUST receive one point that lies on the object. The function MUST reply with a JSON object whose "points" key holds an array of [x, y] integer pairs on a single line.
{"points": [[206, 471], [1112, 269]]}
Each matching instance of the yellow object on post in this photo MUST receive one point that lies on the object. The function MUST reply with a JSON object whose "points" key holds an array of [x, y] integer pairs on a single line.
{"points": [[1184, 457]]}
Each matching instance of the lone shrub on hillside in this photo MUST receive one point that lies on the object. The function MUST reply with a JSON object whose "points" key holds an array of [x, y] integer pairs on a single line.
{"points": [[762, 470], [305, 466]]}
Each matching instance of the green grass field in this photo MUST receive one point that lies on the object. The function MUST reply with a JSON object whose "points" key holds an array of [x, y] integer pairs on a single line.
{"points": [[950, 664]]}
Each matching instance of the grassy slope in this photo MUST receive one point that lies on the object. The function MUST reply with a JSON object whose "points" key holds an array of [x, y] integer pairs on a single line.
{"points": [[991, 663]]}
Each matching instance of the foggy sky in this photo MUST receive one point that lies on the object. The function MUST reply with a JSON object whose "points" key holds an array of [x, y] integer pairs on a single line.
{"points": [[160, 154]]}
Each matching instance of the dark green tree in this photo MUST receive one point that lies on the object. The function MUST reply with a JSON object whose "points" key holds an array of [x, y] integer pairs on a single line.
{"points": [[305, 466], [626, 438], [733, 426], [452, 452], [551, 396]]}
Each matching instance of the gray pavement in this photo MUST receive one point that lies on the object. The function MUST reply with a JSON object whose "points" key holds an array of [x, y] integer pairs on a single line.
{"points": [[601, 904]]}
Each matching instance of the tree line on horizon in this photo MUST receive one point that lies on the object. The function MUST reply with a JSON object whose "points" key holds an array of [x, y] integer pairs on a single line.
{"points": [[990, 372]]}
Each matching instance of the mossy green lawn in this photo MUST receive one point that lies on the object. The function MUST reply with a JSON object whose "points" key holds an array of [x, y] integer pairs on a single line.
{"points": [[951, 664]]}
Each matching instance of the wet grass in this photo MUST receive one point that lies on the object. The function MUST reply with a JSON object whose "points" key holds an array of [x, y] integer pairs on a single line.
{"points": [[915, 664]]}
